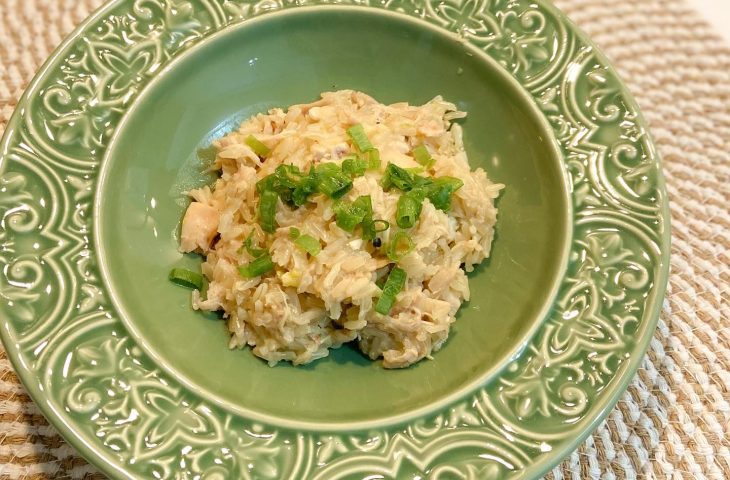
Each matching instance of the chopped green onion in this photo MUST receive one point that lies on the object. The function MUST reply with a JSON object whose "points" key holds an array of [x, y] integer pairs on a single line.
{"points": [[408, 208], [267, 210], [355, 167], [397, 177], [307, 186], [422, 156], [372, 157], [350, 215], [416, 171], [344, 216], [400, 245], [332, 181], [306, 242], [368, 228], [364, 203], [359, 138], [186, 278], [258, 267], [269, 182], [309, 244], [248, 245], [360, 212], [288, 176], [440, 191], [381, 225], [257, 146], [292, 186], [286, 179], [395, 283]]}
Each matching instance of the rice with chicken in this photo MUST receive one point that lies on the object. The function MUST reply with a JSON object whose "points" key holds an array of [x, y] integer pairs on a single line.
{"points": [[322, 293]]}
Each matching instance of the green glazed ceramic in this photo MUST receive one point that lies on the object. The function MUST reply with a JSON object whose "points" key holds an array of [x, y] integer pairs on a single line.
{"points": [[119, 124]]}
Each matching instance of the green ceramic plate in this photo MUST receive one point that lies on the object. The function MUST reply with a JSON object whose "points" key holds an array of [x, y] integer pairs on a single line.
{"points": [[116, 126]]}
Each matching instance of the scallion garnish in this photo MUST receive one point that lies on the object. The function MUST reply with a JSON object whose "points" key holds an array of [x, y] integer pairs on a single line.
{"points": [[395, 283], [354, 167], [372, 157], [257, 267], [309, 244], [267, 183], [307, 186], [286, 179], [416, 171], [408, 208], [257, 146], [294, 233], [364, 203], [359, 138], [267, 210], [288, 176], [397, 177], [186, 278], [332, 181], [422, 156], [381, 225], [440, 191], [368, 228], [248, 245], [350, 215], [294, 188], [400, 246]]}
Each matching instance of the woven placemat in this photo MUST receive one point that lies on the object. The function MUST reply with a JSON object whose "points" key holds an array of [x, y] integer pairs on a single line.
{"points": [[674, 421]]}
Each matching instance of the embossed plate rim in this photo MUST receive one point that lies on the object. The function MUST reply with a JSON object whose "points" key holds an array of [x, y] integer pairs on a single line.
{"points": [[654, 308], [95, 456], [515, 352], [103, 458]]}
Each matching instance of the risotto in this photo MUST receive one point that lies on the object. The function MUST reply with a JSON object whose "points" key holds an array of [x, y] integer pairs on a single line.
{"points": [[342, 220]]}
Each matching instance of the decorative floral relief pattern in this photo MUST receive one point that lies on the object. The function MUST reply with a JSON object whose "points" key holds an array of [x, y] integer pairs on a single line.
{"points": [[135, 410], [68, 334]]}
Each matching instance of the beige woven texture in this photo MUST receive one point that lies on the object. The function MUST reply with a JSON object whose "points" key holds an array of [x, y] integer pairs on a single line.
{"points": [[674, 420]]}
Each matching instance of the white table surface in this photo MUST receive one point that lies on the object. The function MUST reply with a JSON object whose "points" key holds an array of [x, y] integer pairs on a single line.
{"points": [[717, 12]]}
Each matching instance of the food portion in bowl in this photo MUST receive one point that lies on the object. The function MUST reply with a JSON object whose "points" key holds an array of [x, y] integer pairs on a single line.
{"points": [[337, 221]]}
